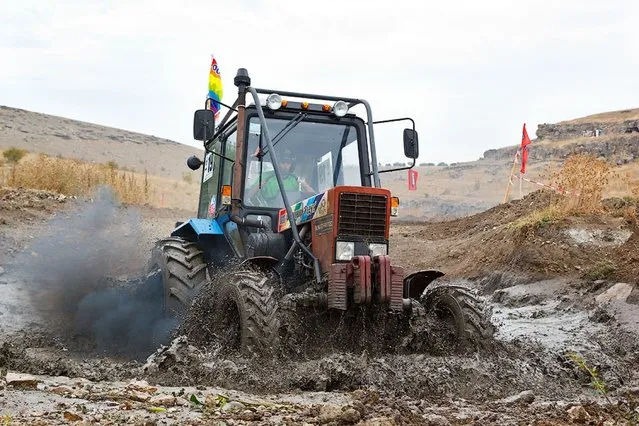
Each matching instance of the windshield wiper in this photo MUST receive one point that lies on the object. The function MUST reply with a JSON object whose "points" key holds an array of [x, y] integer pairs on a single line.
{"points": [[278, 137], [289, 126]]}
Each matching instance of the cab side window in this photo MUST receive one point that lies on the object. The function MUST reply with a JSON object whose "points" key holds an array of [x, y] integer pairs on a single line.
{"points": [[216, 168], [229, 152], [210, 183]]}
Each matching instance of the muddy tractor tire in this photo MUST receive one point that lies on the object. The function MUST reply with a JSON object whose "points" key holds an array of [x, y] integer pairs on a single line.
{"points": [[459, 320], [183, 269], [246, 312]]}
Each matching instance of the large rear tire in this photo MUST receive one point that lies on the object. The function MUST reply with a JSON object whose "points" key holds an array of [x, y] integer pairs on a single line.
{"points": [[183, 271], [458, 318]]}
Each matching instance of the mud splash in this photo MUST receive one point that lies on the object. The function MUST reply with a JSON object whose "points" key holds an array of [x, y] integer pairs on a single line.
{"points": [[537, 330]]}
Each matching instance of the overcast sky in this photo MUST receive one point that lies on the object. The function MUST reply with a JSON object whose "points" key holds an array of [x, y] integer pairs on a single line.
{"points": [[469, 72]]}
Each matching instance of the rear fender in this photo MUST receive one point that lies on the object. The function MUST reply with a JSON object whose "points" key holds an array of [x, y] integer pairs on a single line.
{"points": [[416, 283], [209, 236], [197, 230]]}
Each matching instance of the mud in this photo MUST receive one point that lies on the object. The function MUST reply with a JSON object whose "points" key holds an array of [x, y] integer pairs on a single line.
{"points": [[527, 375]]}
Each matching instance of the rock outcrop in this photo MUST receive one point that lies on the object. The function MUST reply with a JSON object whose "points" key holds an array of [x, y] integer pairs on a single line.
{"points": [[621, 149], [571, 131]]}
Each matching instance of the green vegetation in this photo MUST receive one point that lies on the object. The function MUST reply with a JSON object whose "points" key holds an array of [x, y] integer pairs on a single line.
{"points": [[602, 270], [627, 408], [14, 155], [596, 382]]}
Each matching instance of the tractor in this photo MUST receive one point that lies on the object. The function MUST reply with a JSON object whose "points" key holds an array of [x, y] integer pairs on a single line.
{"points": [[292, 218]]}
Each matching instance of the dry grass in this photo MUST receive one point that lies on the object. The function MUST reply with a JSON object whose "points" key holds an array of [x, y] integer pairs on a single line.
{"points": [[73, 177], [76, 178], [624, 181], [630, 212], [583, 179], [633, 185], [173, 193], [606, 117], [539, 218]]}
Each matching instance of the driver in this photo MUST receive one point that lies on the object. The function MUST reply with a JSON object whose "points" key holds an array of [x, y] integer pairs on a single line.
{"points": [[270, 189]]}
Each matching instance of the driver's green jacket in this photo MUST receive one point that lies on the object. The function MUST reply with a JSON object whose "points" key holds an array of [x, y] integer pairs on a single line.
{"points": [[270, 189]]}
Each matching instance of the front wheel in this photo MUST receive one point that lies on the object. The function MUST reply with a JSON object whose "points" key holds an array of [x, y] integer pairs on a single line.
{"points": [[240, 312], [457, 318]]}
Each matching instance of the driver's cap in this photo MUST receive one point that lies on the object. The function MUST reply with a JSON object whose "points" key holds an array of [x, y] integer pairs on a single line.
{"points": [[287, 156]]}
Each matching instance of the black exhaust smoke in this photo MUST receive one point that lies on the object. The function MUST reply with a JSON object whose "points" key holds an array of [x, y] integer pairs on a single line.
{"points": [[77, 277]]}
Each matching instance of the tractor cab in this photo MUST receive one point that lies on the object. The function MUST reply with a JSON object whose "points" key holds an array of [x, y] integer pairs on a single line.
{"points": [[322, 145], [316, 150]]}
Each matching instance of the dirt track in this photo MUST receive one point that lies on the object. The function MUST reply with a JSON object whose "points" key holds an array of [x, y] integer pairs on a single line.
{"points": [[545, 308]]}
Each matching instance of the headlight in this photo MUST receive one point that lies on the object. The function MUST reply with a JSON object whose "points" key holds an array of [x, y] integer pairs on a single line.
{"points": [[340, 108], [344, 250], [378, 249], [274, 101]]}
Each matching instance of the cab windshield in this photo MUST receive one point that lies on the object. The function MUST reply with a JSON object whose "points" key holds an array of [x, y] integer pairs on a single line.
{"points": [[313, 157]]}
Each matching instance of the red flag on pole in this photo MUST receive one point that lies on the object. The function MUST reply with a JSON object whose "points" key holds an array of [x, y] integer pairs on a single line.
{"points": [[412, 179], [525, 141]]}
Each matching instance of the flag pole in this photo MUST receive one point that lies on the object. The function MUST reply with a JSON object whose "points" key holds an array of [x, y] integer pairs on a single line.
{"points": [[510, 178], [520, 183]]}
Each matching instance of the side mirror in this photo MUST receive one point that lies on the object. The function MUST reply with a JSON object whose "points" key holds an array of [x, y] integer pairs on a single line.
{"points": [[411, 143], [203, 124], [193, 162]]}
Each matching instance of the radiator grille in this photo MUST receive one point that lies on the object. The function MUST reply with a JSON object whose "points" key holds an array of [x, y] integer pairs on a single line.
{"points": [[362, 215]]}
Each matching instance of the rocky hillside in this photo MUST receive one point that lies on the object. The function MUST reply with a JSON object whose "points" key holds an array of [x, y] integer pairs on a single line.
{"points": [[69, 138]]}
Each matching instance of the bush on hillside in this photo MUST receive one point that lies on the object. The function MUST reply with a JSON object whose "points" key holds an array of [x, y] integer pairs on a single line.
{"points": [[14, 155]]}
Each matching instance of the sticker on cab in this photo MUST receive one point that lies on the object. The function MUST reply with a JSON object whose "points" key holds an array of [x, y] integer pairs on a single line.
{"points": [[208, 167]]}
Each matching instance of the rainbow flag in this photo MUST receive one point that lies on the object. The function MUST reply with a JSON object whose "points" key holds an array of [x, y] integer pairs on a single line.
{"points": [[215, 87]]}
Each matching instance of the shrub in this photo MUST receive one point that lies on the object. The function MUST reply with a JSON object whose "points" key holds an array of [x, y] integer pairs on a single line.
{"points": [[14, 155], [583, 178]]}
